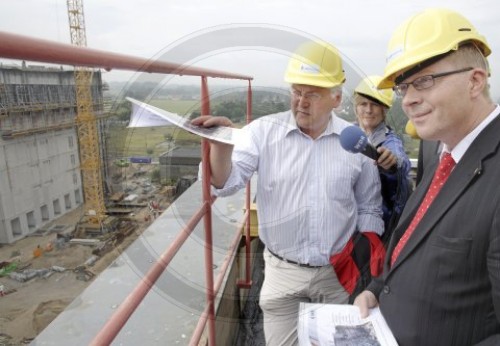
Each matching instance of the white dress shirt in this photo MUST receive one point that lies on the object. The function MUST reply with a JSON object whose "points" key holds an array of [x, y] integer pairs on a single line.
{"points": [[311, 194], [459, 151]]}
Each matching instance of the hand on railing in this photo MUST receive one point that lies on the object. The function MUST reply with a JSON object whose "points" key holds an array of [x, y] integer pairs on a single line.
{"points": [[220, 153]]}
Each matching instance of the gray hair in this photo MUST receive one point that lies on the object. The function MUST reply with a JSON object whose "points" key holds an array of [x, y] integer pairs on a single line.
{"points": [[468, 54]]}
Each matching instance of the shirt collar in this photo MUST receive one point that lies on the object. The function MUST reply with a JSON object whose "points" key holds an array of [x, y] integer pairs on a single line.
{"points": [[332, 126], [377, 136], [458, 152]]}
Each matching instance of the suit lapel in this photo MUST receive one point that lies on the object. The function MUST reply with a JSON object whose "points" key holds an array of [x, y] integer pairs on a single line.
{"points": [[413, 203], [465, 173]]}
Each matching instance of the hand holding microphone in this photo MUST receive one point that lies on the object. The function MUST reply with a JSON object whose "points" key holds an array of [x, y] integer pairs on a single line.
{"points": [[354, 140]]}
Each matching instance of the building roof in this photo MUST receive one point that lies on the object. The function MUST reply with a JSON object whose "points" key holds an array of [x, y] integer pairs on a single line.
{"points": [[187, 152]]}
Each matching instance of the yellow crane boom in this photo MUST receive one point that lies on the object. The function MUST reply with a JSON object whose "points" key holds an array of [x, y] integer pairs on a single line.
{"points": [[86, 122]]}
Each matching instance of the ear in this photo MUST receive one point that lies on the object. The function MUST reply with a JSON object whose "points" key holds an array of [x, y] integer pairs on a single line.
{"points": [[478, 82], [336, 98]]}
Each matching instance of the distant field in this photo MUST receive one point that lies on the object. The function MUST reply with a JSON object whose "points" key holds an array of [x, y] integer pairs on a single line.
{"points": [[181, 107], [152, 141]]}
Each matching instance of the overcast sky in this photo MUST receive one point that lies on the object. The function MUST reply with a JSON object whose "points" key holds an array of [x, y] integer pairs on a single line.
{"points": [[360, 29]]}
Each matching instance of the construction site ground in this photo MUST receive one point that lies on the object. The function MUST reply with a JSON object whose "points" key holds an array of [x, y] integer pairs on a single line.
{"points": [[26, 308]]}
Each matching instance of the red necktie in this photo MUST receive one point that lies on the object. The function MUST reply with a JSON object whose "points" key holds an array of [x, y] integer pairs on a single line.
{"points": [[440, 176]]}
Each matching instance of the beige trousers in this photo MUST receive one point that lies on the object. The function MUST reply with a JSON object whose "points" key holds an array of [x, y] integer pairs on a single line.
{"points": [[285, 286]]}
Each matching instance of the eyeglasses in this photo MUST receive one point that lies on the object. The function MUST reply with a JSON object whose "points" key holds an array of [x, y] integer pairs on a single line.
{"points": [[424, 82], [310, 97]]}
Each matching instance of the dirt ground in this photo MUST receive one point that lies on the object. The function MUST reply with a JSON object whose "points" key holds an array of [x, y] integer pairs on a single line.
{"points": [[26, 308]]}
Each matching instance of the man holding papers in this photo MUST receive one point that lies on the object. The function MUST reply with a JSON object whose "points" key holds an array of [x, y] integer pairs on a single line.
{"points": [[312, 195], [441, 279]]}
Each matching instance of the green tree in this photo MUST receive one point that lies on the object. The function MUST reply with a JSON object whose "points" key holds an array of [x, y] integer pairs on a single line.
{"points": [[122, 110], [396, 118]]}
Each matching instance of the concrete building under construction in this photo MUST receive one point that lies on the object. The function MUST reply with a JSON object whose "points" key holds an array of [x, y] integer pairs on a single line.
{"points": [[40, 176]]}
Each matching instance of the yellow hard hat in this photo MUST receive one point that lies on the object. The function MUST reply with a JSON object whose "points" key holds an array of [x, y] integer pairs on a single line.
{"points": [[411, 131], [317, 64], [427, 35], [368, 87]]}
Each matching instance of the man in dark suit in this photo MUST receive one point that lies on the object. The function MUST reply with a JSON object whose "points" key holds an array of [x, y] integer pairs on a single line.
{"points": [[441, 279], [428, 154]]}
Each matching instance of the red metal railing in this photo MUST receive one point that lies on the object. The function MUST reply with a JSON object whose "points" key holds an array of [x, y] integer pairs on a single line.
{"points": [[26, 48], [209, 275], [20, 47], [247, 283]]}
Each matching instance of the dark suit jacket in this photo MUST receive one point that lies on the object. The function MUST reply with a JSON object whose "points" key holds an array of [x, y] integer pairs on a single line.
{"points": [[428, 153], [444, 288]]}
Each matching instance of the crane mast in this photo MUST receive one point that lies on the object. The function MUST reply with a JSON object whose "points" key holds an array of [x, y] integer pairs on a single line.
{"points": [[86, 122]]}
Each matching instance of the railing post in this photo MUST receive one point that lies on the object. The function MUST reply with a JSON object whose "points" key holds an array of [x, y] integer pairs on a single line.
{"points": [[247, 283], [206, 175]]}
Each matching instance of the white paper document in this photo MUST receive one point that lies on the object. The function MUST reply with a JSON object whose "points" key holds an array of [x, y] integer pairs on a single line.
{"points": [[342, 325], [145, 115]]}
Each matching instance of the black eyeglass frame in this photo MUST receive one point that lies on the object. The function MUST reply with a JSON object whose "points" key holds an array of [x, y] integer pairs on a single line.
{"points": [[425, 82]]}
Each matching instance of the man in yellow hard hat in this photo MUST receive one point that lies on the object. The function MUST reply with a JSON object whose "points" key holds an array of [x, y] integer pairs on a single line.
{"points": [[312, 195], [441, 279]]}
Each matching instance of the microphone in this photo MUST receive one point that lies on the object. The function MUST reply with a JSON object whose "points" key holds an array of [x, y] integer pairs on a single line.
{"points": [[354, 140]]}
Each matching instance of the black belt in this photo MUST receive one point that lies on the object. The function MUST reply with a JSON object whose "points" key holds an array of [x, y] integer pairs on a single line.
{"points": [[305, 265]]}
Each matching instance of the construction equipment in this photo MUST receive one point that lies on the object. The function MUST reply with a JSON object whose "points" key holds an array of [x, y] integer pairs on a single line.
{"points": [[86, 124]]}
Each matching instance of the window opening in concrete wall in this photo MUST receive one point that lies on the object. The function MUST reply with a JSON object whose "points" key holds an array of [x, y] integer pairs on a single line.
{"points": [[67, 201], [30, 217], [57, 207], [15, 225], [78, 197], [44, 210]]}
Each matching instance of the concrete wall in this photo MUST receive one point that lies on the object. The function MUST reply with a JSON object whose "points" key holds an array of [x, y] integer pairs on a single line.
{"points": [[39, 181], [40, 177], [178, 162], [174, 172]]}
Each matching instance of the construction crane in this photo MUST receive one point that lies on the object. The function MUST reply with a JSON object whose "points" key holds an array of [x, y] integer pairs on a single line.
{"points": [[86, 124]]}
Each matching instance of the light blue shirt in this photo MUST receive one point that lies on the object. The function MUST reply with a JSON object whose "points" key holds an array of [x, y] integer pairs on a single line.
{"points": [[311, 194]]}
